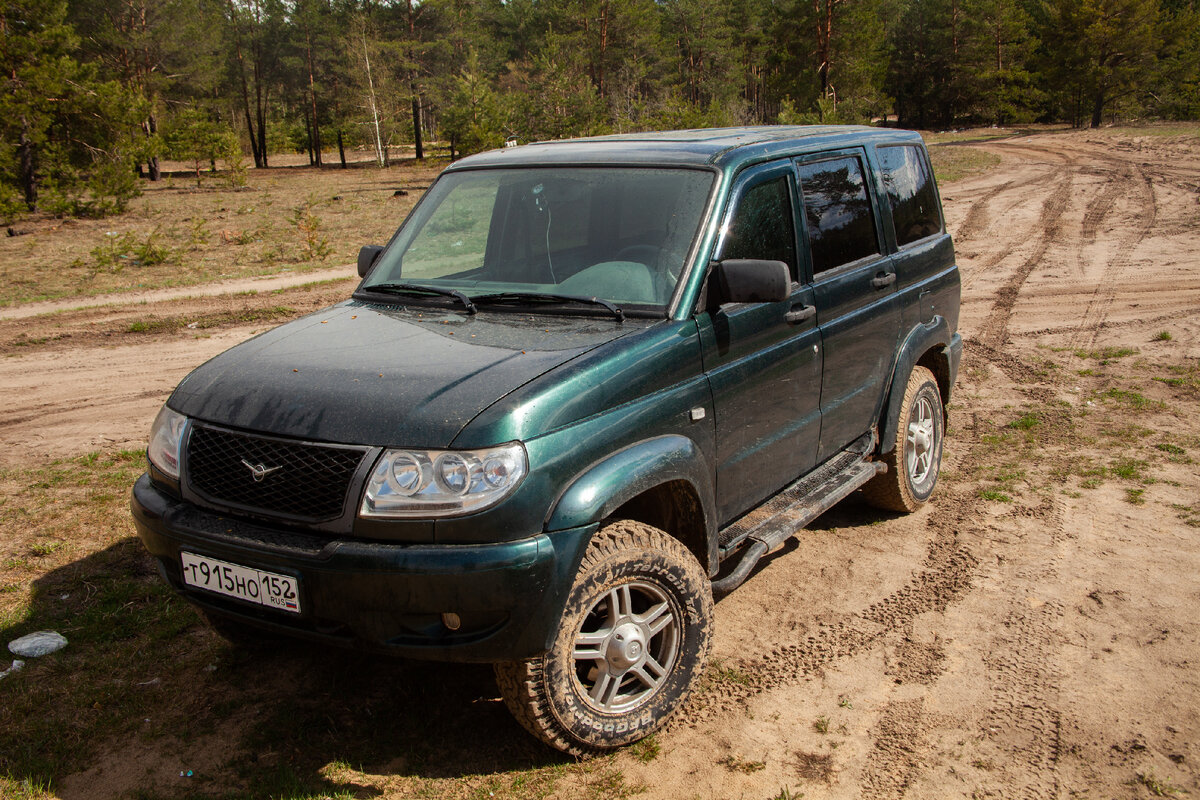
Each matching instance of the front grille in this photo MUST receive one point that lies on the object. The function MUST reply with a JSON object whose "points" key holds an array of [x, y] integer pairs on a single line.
{"points": [[295, 479]]}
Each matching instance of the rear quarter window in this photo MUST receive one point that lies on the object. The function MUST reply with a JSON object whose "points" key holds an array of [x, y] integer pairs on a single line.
{"points": [[911, 195]]}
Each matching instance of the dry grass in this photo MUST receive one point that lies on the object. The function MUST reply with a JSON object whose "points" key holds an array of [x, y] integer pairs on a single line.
{"points": [[286, 219], [955, 163]]}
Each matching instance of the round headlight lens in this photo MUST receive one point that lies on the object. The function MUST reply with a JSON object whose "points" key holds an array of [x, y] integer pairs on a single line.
{"points": [[497, 471], [453, 474], [406, 475]]}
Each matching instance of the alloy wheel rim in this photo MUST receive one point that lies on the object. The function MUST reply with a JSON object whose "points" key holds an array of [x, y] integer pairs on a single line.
{"points": [[921, 446], [625, 647]]}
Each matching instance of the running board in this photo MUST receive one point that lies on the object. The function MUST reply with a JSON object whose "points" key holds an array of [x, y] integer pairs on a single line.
{"points": [[777, 520]]}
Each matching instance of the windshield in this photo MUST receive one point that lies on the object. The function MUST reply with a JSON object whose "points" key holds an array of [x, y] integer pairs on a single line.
{"points": [[618, 234]]}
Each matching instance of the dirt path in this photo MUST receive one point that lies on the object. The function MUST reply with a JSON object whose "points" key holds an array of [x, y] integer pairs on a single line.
{"points": [[1032, 633], [264, 283]]}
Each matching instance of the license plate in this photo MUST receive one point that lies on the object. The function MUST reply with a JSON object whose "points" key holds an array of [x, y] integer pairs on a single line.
{"points": [[233, 580]]}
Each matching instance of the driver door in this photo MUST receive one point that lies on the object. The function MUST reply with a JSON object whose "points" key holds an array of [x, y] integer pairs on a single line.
{"points": [[762, 360]]}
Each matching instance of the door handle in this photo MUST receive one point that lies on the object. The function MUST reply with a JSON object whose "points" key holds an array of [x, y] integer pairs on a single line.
{"points": [[800, 313], [883, 279]]}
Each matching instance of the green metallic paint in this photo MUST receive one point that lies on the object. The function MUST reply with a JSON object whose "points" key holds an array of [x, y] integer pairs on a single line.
{"points": [[938, 341], [605, 487]]}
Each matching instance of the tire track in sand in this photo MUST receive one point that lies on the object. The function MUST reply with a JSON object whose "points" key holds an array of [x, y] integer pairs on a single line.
{"points": [[1102, 297], [994, 331], [944, 577]]}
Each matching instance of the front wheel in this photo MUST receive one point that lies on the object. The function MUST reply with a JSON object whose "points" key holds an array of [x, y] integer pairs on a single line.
{"points": [[915, 459], [631, 646]]}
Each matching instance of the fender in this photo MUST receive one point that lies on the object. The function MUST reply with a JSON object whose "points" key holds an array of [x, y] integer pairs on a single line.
{"points": [[934, 335], [593, 495]]}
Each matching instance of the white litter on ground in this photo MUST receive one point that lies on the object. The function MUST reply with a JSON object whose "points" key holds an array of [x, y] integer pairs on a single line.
{"points": [[37, 644]]}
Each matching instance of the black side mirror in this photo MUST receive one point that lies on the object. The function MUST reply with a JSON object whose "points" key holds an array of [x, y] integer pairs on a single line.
{"points": [[739, 280], [367, 257]]}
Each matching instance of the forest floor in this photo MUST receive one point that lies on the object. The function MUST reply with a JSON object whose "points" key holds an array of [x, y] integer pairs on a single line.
{"points": [[1032, 632]]}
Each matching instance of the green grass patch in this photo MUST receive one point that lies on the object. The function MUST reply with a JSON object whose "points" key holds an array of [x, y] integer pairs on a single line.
{"points": [[1129, 469], [1106, 354], [1190, 515], [1186, 378], [24, 789], [738, 764], [1025, 421], [1156, 786], [646, 750], [1162, 336], [1130, 399], [995, 495], [1135, 496]]}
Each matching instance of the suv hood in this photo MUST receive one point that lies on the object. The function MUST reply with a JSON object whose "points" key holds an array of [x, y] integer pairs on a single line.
{"points": [[360, 373]]}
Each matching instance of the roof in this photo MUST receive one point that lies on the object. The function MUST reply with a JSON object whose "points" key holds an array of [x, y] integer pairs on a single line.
{"points": [[719, 147]]}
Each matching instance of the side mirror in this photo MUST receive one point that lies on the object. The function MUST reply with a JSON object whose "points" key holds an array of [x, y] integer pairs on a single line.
{"points": [[367, 257], [750, 281]]}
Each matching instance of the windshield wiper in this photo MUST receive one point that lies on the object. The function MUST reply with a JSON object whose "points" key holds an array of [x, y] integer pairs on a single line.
{"points": [[544, 297], [418, 289]]}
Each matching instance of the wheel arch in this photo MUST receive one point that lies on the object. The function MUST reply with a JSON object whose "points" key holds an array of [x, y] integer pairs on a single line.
{"points": [[664, 482], [933, 346]]}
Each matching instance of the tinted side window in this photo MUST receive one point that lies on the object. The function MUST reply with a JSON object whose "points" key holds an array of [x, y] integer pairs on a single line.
{"points": [[841, 227], [910, 190], [762, 226]]}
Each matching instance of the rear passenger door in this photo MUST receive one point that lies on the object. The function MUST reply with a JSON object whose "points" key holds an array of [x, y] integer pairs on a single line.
{"points": [[854, 292]]}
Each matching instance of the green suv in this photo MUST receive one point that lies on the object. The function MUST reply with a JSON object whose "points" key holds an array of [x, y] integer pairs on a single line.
{"points": [[585, 387]]}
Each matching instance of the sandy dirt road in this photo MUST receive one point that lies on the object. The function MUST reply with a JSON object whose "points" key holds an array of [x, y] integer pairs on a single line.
{"points": [[1034, 632]]}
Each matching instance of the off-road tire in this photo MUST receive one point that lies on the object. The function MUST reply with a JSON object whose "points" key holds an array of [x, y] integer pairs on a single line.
{"points": [[545, 693], [896, 489]]}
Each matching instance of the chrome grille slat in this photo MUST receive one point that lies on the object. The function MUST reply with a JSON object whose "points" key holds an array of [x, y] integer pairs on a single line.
{"points": [[302, 480]]}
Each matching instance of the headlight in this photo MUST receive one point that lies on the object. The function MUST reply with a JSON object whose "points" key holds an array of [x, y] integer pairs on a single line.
{"points": [[442, 483], [166, 438]]}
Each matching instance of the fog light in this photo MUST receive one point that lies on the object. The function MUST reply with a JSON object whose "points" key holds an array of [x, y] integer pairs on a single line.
{"points": [[451, 621]]}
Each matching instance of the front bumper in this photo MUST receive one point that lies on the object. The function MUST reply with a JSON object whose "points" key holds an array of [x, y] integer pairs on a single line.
{"points": [[381, 596]]}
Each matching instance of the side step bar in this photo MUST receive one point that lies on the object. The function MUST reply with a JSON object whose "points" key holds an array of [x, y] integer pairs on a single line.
{"points": [[791, 510]]}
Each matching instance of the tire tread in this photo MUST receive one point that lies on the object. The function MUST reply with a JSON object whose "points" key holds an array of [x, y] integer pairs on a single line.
{"points": [[521, 683]]}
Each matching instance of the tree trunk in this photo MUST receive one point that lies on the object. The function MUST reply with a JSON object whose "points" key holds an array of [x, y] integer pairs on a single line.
{"points": [[312, 96], [414, 11], [416, 114], [308, 137], [261, 113], [341, 148], [27, 165], [1098, 108], [155, 169], [824, 20], [379, 151]]}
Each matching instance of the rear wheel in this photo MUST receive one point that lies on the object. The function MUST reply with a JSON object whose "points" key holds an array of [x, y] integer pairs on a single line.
{"points": [[916, 457], [633, 641]]}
